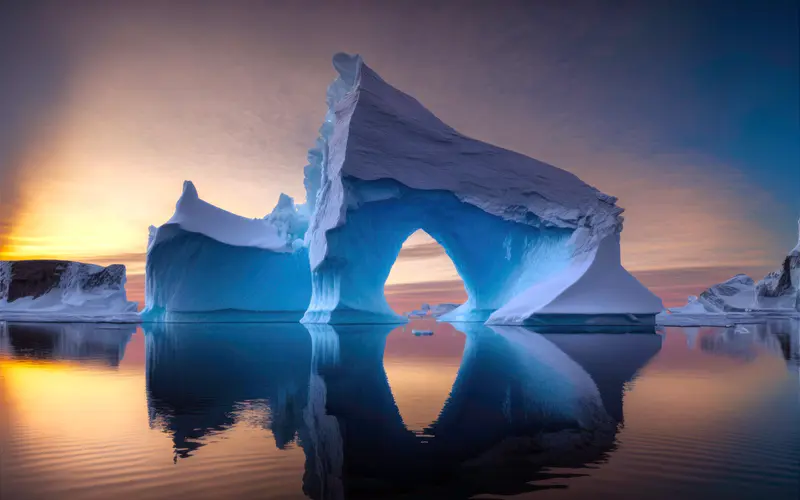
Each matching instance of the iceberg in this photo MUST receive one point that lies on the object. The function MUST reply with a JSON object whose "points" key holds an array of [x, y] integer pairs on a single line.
{"points": [[531, 242], [442, 309], [781, 289], [42, 291], [420, 313], [740, 299], [733, 295], [435, 311], [208, 264]]}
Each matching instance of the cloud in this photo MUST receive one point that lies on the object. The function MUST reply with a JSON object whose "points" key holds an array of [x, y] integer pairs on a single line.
{"points": [[422, 251]]}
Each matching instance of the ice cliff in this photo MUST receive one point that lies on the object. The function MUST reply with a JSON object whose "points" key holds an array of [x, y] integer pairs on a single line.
{"points": [[531, 242], [207, 264], [742, 299], [64, 291], [781, 289]]}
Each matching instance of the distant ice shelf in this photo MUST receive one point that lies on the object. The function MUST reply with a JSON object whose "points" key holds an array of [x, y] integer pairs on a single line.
{"points": [[44, 291], [741, 300], [435, 311]]}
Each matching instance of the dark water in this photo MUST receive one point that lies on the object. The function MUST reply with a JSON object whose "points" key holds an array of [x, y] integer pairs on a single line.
{"points": [[284, 411]]}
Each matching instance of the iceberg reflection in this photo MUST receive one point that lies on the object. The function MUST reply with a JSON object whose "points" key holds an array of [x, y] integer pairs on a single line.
{"points": [[521, 401], [201, 376], [83, 342]]}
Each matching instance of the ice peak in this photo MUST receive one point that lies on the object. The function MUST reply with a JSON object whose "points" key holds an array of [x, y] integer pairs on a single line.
{"points": [[189, 191], [348, 66], [285, 202]]}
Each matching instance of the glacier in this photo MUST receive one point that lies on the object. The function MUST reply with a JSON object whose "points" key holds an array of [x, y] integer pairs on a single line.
{"points": [[208, 264], [531, 242], [741, 300], [42, 291]]}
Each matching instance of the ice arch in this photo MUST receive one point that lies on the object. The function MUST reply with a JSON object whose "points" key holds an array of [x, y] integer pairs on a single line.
{"points": [[493, 257], [423, 275], [530, 241]]}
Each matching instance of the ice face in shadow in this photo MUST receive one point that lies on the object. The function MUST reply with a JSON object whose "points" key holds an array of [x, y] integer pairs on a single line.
{"points": [[83, 342], [388, 167], [206, 264]]}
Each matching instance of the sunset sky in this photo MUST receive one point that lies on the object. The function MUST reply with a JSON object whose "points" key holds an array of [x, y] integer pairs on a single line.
{"points": [[687, 111]]}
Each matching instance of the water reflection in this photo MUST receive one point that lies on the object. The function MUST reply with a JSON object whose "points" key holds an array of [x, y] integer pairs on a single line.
{"points": [[201, 377], [66, 341], [520, 401], [746, 342], [263, 411]]}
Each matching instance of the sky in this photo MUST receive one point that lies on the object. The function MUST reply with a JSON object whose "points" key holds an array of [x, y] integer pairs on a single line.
{"points": [[688, 112]]}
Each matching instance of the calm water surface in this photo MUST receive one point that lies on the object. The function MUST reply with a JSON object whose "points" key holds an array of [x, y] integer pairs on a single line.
{"points": [[285, 411]]}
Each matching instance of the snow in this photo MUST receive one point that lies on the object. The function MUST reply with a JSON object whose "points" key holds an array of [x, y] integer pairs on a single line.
{"points": [[733, 295], [85, 293], [207, 264], [197, 216], [384, 167]]}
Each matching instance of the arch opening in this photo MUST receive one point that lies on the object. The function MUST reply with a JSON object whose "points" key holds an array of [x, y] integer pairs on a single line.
{"points": [[422, 277]]}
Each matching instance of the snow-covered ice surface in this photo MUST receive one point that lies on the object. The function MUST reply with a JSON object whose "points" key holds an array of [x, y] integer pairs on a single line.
{"points": [[62, 291], [384, 167], [207, 264], [197, 216], [741, 300]]}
